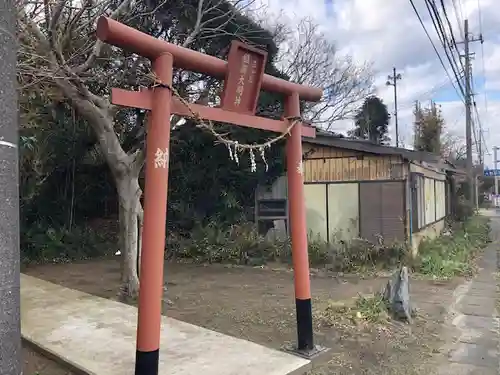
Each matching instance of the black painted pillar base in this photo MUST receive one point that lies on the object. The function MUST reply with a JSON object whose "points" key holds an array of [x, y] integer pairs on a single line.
{"points": [[146, 363], [304, 324], [305, 345]]}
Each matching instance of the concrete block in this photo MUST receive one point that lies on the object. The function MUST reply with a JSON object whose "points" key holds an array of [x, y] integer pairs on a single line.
{"points": [[97, 336]]}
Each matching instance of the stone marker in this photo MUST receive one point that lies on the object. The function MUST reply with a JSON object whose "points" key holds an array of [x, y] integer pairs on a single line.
{"points": [[397, 295]]}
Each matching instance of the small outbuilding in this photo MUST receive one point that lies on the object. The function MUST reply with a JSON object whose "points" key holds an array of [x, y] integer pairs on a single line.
{"points": [[357, 189]]}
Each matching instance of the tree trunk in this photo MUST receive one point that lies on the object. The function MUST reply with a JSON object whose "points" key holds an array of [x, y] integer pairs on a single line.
{"points": [[129, 209], [125, 169]]}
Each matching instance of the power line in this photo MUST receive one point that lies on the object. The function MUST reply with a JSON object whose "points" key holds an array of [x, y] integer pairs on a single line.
{"points": [[445, 13], [478, 119], [434, 47], [426, 93], [480, 16], [452, 35], [440, 30], [484, 77], [482, 140], [446, 44], [457, 6], [482, 56]]}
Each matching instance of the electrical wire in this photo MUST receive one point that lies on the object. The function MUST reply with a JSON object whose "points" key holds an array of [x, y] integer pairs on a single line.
{"points": [[445, 43], [474, 135], [452, 35], [427, 93], [482, 56], [479, 139], [450, 28], [435, 49], [457, 6], [480, 132], [475, 120], [480, 126], [449, 42], [482, 139]]}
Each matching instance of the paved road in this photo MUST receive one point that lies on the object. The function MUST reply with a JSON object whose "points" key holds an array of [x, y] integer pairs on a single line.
{"points": [[474, 347]]}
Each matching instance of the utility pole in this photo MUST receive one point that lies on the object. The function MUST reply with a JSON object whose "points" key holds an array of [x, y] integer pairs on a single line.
{"points": [[468, 112], [468, 119], [10, 326], [392, 81], [495, 161], [480, 145]]}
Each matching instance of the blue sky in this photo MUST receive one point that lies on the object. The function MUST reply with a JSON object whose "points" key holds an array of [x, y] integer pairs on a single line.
{"points": [[388, 33]]}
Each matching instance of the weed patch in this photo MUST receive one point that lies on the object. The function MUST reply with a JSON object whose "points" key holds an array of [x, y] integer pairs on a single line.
{"points": [[357, 255], [453, 255], [40, 244], [238, 244], [359, 310], [242, 244]]}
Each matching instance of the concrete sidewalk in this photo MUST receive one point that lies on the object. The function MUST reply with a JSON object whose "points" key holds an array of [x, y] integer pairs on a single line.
{"points": [[97, 336], [474, 345]]}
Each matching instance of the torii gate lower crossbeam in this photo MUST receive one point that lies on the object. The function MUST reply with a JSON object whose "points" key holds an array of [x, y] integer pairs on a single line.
{"points": [[160, 102]]}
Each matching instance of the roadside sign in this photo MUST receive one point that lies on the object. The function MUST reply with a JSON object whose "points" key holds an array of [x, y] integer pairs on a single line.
{"points": [[492, 172]]}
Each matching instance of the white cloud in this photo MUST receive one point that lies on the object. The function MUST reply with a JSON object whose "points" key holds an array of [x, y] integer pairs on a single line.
{"points": [[388, 33]]}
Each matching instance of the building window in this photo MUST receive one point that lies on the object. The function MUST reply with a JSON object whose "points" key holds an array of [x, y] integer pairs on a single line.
{"points": [[428, 200]]}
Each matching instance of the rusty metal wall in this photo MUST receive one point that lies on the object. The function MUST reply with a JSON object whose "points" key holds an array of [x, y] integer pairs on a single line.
{"points": [[382, 211], [393, 211]]}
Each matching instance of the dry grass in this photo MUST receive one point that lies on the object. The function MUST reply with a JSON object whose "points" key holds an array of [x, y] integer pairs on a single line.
{"points": [[355, 311]]}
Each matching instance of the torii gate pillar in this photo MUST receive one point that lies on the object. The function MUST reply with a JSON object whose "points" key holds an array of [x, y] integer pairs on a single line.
{"points": [[153, 233], [298, 229]]}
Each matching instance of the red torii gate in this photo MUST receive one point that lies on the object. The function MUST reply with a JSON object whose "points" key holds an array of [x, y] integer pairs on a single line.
{"points": [[244, 77]]}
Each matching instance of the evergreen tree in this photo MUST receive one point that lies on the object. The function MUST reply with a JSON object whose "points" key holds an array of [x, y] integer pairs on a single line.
{"points": [[372, 121]]}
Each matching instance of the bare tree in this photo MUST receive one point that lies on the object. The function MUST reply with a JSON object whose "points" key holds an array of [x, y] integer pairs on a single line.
{"points": [[308, 56], [60, 59], [453, 147]]}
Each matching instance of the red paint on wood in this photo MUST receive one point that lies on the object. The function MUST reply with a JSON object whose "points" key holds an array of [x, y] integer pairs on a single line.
{"points": [[143, 100], [221, 115], [130, 39], [296, 199], [243, 78], [155, 208], [135, 99]]}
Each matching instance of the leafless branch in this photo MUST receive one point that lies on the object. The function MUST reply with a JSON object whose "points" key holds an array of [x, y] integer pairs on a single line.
{"points": [[309, 57], [96, 51]]}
